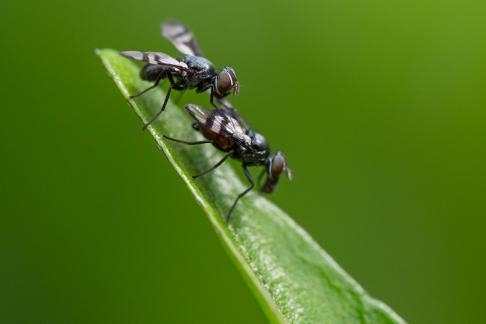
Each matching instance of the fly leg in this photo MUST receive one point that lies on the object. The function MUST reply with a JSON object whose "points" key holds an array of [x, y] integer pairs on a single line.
{"points": [[197, 143], [172, 86], [241, 195], [186, 142], [157, 81], [211, 98], [214, 166]]}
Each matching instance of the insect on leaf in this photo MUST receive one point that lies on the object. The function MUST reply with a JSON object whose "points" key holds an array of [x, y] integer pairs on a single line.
{"points": [[293, 278]]}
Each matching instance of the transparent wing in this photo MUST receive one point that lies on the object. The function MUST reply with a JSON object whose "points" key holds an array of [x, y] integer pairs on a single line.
{"points": [[232, 125], [231, 111], [222, 122], [181, 37], [155, 58], [199, 113]]}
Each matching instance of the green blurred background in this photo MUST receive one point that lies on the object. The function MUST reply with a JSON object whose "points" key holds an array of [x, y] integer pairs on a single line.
{"points": [[379, 106]]}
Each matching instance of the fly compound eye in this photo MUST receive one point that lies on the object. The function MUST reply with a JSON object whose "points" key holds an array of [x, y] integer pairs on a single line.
{"points": [[225, 81], [279, 165], [276, 165]]}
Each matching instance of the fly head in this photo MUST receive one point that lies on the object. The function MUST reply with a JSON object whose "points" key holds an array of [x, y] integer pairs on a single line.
{"points": [[275, 166], [225, 82]]}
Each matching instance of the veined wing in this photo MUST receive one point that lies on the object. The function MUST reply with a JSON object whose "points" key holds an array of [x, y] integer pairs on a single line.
{"points": [[220, 121], [231, 125], [199, 113], [155, 58], [181, 37], [231, 111]]}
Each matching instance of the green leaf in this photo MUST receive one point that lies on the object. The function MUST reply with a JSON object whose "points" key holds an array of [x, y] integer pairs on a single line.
{"points": [[293, 278]]}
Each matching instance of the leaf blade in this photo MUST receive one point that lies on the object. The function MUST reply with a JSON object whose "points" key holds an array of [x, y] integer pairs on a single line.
{"points": [[293, 278]]}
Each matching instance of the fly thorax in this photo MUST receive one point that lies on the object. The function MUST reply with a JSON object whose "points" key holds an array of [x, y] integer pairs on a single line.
{"points": [[260, 146]]}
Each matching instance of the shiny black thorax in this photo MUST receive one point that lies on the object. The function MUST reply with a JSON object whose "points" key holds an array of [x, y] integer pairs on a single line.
{"points": [[203, 72], [200, 75]]}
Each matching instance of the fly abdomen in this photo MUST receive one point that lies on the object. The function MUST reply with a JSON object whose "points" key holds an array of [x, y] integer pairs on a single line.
{"points": [[152, 72]]}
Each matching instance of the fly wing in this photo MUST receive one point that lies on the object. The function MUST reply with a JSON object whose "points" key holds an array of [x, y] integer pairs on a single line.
{"points": [[199, 113], [233, 126], [231, 111], [220, 122], [181, 37], [155, 58]]}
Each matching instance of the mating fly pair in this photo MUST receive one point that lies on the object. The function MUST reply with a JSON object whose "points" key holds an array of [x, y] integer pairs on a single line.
{"points": [[223, 127], [192, 71]]}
